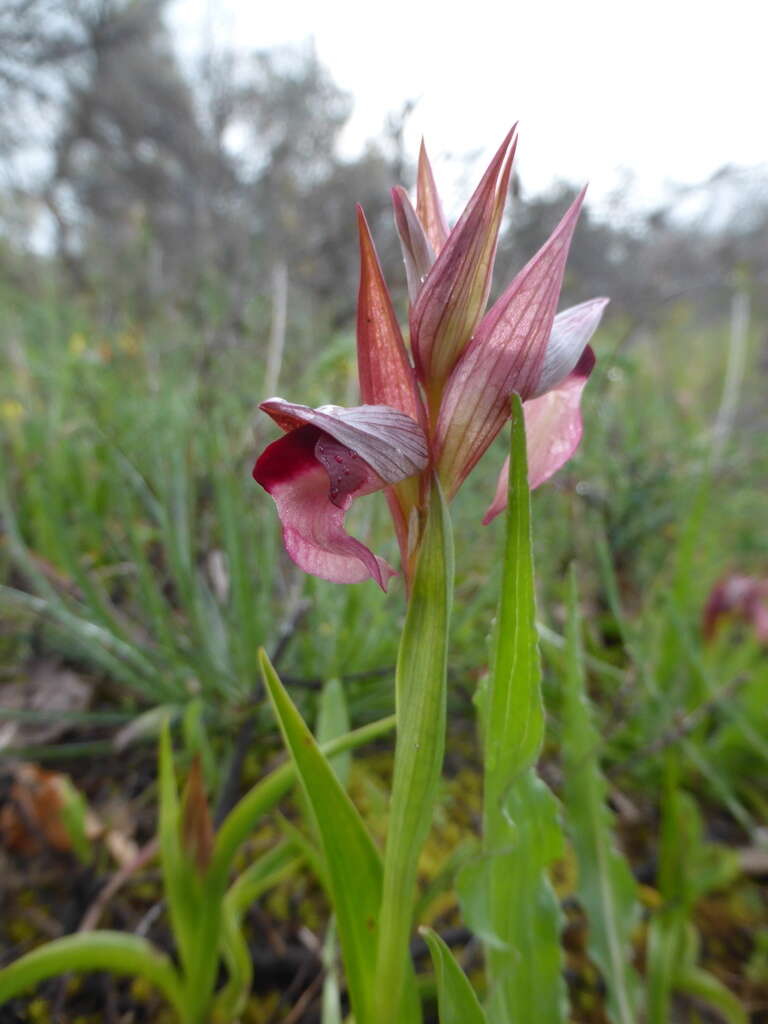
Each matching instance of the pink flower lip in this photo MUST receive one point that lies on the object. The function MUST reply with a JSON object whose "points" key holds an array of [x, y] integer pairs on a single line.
{"points": [[327, 458]]}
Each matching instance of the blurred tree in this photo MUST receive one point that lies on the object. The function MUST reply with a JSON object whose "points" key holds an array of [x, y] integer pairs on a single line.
{"points": [[647, 262], [135, 186], [162, 182], [220, 189], [284, 117]]}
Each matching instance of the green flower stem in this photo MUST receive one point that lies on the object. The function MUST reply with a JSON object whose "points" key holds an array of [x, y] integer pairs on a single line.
{"points": [[421, 711]]}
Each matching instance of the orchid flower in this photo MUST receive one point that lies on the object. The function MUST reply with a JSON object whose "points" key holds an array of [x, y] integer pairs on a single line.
{"points": [[328, 457], [738, 597], [438, 406]]}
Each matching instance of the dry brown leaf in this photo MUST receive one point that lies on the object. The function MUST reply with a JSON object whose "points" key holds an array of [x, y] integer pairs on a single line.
{"points": [[31, 817]]}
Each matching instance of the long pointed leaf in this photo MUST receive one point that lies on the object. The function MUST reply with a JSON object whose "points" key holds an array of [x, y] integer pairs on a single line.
{"points": [[711, 990], [259, 800], [193, 896], [456, 1000], [176, 868], [95, 951], [352, 861], [606, 887], [507, 895]]}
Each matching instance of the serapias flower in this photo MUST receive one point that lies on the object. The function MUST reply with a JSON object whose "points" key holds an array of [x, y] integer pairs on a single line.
{"points": [[553, 425], [449, 392], [327, 458], [738, 598]]}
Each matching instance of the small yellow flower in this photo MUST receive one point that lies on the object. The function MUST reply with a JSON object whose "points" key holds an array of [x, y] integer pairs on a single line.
{"points": [[77, 344], [128, 342], [11, 410]]}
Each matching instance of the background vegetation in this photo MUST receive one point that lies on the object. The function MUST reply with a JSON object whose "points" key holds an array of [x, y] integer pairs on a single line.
{"points": [[178, 243]]}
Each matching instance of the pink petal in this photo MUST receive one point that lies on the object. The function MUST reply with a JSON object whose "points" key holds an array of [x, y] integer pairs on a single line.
{"points": [[738, 596], [505, 355], [428, 205], [417, 252], [453, 296], [553, 429], [385, 373], [571, 333], [386, 439], [312, 506]]}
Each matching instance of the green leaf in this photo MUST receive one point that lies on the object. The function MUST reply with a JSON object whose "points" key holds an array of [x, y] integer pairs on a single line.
{"points": [[95, 951], [264, 873], [307, 849], [196, 738], [262, 797], [665, 941], [421, 709], [352, 861], [506, 895], [178, 883], [456, 1000], [689, 866], [513, 709], [709, 989], [333, 721], [606, 887], [194, 897], [74, 810]]}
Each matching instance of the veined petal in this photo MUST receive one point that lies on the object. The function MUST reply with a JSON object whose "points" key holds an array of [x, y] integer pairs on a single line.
{"points": [[392, 444], [328, 457], [553, 429], [312, 506], [428, 205], [505, 355], [571, 332], [384, 369], [385, 373], [418, 255], [453, 296]]}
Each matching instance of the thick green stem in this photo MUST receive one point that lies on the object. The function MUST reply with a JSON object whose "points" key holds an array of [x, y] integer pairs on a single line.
{"points": [[421, 700]]}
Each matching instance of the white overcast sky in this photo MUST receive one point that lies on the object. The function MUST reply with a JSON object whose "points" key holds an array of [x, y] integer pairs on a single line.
{"points": [[669, 90]]}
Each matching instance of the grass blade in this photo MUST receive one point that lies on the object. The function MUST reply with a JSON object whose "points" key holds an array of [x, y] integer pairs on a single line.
{"points": [[606, 887]]}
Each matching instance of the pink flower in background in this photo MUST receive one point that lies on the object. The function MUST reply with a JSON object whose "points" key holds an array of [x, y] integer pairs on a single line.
{"points": [[738, 597], [438, 406]]}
